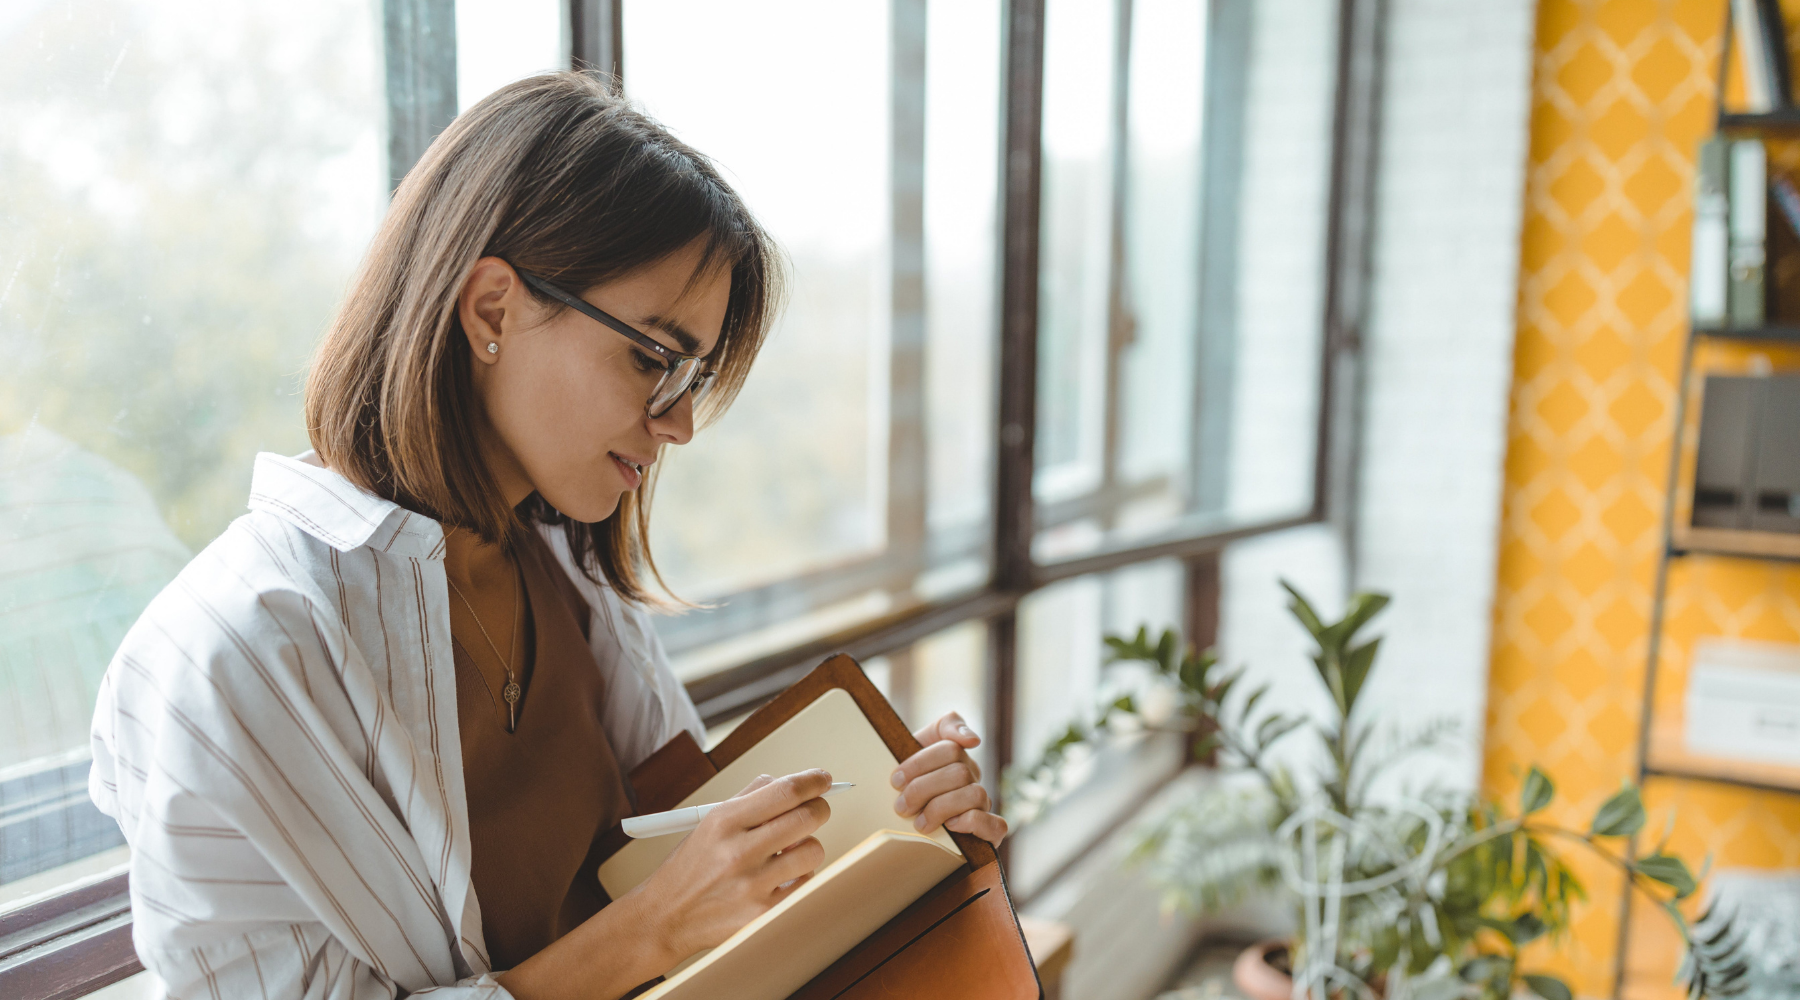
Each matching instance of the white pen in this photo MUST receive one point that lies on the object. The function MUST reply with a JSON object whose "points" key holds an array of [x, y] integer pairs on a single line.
{"points": [[682, 820]]}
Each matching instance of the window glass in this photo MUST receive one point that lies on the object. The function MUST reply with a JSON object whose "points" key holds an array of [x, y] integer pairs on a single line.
{"points": [[1075, 246], [791, 479], [1179, 373], [962, 175], [499, 41], [1282, 200], [853, 477], [1060, 680], [1162, 245], [186, 187]]}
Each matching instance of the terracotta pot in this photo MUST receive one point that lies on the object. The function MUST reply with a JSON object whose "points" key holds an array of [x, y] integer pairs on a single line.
{"points": [[1257, 978]]}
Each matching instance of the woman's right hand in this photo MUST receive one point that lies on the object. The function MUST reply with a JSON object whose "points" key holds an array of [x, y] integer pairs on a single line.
{"points": [[748, 854]]}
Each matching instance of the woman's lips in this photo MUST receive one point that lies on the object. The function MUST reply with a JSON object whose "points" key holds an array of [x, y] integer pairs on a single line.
{"points": [[632, 476]]}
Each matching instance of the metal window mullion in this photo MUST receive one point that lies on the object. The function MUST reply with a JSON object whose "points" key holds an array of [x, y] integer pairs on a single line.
{"points": [[596, 29], [1021, 206], [1021, 194], [1349, 244], [419, 48]]}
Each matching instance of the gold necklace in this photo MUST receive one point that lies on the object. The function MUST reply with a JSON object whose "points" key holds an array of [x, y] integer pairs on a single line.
{"points": [[511, 691]]}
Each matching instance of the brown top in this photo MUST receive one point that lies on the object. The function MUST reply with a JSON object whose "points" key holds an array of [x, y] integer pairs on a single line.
{"points": [[540, 797]]}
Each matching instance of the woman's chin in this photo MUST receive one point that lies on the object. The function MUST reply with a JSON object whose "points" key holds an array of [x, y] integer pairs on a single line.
{"points": [[588, 508]]}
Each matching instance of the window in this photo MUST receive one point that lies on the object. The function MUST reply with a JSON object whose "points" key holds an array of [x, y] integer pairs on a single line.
{"points": [[186, 188], [1114, 215], [859, 450]]}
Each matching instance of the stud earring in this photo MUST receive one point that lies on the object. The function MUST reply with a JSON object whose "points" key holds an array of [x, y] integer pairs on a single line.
{"points": [[493, 348]]}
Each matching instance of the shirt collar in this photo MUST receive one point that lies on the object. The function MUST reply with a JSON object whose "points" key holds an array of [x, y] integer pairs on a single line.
{"points": [[325, 505]]}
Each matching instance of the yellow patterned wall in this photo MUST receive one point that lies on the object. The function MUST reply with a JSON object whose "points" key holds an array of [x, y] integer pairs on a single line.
{"points": [[1623, 93]]}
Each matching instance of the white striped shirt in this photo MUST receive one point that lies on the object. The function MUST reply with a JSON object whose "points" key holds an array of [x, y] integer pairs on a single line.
{"points": [[277, 738]]}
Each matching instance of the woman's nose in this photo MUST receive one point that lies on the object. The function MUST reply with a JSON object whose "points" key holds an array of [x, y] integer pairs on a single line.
{"points": [[676, 425]]}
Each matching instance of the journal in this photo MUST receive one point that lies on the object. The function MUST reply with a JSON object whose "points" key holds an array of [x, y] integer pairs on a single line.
{"points": [[889, 912]]}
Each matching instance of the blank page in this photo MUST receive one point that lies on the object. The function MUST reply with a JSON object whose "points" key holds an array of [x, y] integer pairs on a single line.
{"points": [[782, 950], [831, 733]]}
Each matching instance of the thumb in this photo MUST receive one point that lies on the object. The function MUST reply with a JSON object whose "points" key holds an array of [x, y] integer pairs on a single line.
{"points": [[952, 727]]}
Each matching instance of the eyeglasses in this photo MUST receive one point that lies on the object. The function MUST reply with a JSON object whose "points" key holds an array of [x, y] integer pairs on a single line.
{"points": [[682, 373]]}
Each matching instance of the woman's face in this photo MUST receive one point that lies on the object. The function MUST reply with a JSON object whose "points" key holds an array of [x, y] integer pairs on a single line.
{"points": [[563, 397]]}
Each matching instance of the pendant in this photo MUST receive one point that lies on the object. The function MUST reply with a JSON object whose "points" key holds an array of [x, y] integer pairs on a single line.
{"points": [[511, 693]]}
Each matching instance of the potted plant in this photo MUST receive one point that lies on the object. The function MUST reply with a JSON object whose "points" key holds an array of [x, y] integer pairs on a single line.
{"points": [[1399, 898]]}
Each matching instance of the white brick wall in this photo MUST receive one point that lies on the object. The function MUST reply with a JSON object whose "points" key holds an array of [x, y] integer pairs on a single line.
{"points": [[1439, 357]]}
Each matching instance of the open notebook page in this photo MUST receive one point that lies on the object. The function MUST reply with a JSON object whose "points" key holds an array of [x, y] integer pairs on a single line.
{"points": [[831, 733], [782, 950]]}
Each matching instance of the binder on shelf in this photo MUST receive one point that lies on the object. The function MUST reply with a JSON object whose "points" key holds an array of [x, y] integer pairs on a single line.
{"points": [[890, 913], [1748, 194], [1760, 35], [1746, 496], [1709, 271], [1775, 51], [1782, 273]]}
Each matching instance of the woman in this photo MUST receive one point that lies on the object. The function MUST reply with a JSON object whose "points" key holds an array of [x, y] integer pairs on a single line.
{"points": [[365, 744]]}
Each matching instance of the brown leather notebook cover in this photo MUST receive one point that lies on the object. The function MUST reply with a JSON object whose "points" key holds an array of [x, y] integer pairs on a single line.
{"points": [[961, 939]]}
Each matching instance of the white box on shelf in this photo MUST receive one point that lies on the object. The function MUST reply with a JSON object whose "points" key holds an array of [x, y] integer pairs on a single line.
{"points": [[1743, 701]]}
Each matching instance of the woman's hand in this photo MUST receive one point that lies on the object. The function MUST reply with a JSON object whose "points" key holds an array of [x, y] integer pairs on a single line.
{"points": [[941, 784], [747, 855]]}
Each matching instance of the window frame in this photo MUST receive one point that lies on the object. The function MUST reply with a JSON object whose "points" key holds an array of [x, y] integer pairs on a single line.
{"points": [[79, 941]]}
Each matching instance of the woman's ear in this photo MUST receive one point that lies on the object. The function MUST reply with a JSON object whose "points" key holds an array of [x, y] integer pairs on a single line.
{"points": [[491, 288]]}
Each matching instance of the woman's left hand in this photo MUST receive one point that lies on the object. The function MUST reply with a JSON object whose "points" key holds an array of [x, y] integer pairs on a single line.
{"points": [[941, 784]]}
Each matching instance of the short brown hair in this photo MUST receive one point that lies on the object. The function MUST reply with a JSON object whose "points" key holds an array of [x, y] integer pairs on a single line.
{"points": [[557, 175]]}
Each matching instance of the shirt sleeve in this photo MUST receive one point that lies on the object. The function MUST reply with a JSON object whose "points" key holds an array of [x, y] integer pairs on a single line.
{"points": [[264, 862], [295, 962]]}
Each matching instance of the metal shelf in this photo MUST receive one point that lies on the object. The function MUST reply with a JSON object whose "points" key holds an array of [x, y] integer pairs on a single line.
{"points": [[1685, 774], [1755, 334], [1784, 120], [1680, 552], [1668, 757]]}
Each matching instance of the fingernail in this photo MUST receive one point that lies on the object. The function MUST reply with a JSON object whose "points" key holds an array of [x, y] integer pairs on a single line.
{"points": [[898, 779], [965, 730], [900, 805], [919, 824]]}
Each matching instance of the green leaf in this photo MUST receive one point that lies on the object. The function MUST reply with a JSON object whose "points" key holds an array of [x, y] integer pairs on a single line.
{"points": [[1548, 987], [1356, 670], [1539, 790], [1168, 652], [1255, 696], [1670, 871], [1363, 606], [1620, 816], [1302, 610], [1273, 728], [1194, 670], [1527, 927], [1482, 968]]}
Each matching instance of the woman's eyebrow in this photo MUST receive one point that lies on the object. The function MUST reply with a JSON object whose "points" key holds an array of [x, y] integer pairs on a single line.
{"points": [[690, 344]]}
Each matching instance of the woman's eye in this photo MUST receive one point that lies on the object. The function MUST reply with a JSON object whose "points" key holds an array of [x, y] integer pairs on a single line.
{"points": [[646, 363]]}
